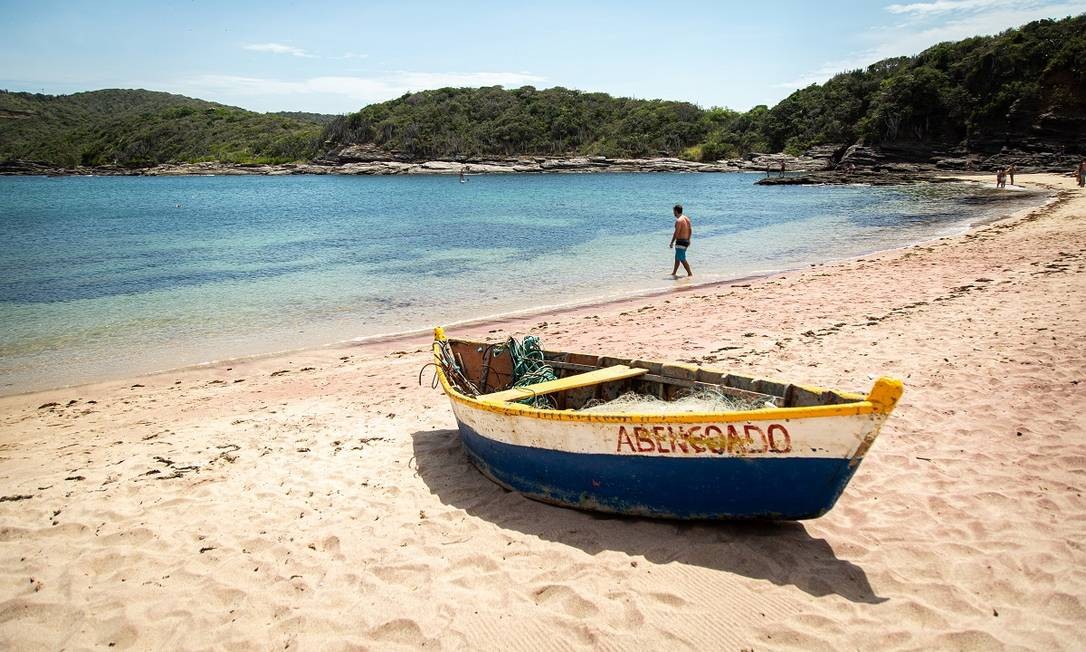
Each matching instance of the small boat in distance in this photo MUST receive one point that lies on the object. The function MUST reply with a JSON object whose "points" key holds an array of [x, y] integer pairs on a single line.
{"points": [[788, 459]]}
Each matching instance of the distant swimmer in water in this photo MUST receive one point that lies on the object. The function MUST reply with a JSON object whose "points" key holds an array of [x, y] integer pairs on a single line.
{"points": [[680, 240]]}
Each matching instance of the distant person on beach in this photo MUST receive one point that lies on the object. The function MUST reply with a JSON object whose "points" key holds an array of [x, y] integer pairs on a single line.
{"points": [[1081, 174], [1000, 178], [782, 168], [680, 240], [461, 175], [1010, 172]]}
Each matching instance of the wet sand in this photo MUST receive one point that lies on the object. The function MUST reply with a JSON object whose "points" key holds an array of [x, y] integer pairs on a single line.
{"points": [[320, 499]]}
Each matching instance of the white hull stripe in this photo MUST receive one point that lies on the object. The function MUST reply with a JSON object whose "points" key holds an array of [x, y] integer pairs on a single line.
{"points": [[821, 437]]}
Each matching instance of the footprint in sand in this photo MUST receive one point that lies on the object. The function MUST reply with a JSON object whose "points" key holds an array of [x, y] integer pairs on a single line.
{"points": [[669, 599], [565, 599], [404, 631]]}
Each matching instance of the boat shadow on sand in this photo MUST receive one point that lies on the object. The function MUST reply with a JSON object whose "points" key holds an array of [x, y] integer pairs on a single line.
{"points": [[782, 553]]}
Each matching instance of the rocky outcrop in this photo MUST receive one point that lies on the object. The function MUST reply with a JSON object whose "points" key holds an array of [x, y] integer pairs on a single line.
{"points": [[772, 163], [352, 165], [1024, 160], [822, 164], [367, 159], [519, 165], [840, 177], [908, 158], [21, 167]]}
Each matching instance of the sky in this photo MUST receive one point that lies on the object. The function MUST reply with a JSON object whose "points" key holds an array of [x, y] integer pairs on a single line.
{"points": [[336, 57]]}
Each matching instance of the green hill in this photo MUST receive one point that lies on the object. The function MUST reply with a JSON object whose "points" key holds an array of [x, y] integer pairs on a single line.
{"points": [[471, 121], [1025, 87], [1022, 88], [306, 116], [137, 128]]}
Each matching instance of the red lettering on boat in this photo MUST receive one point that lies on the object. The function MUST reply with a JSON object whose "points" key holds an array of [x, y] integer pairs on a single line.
{"points": [[718, 438], [748, 428], [645, 443], [658, 436], [692, 436], [736, 443], [779, 439], [680, 441]]}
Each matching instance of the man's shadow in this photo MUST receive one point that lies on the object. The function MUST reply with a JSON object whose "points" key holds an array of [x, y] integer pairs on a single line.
{"points": [[782, 553]]}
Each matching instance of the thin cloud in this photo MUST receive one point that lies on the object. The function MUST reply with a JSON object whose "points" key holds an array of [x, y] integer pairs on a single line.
{"points": [[279, 48], [351, 91], [944, 6], [827, 70], [914, 37]]}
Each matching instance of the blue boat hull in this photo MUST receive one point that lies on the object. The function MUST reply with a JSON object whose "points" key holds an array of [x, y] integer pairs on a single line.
{"points": [[787, 488]]}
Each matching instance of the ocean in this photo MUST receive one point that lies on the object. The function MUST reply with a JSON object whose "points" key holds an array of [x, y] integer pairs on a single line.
{"points": [[106, 277]]}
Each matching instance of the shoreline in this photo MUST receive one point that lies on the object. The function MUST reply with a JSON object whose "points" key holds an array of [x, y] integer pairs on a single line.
{"points": [[378, 166], [322, 497], [419, 334], [817, 167], [413, 337]]}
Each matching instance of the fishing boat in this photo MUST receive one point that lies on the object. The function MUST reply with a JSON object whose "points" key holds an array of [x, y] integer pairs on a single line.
{"points": [[790, 458]]}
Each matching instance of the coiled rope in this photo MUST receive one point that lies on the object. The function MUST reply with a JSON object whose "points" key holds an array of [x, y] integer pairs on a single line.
{"points": [[529, 368], [454, 370]]}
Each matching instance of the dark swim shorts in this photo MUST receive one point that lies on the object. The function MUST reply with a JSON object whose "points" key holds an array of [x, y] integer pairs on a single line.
{"points": [[680, 249]]}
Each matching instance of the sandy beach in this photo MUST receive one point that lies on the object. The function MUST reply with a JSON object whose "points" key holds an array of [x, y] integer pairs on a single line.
{"points": [[320, 500]]}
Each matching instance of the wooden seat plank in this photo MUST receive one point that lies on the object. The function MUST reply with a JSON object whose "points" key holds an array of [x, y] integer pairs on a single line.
{"points": [[596, 377]]}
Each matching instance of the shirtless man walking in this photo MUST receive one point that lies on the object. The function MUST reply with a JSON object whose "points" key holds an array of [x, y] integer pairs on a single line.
{"points": [[680, 240]]}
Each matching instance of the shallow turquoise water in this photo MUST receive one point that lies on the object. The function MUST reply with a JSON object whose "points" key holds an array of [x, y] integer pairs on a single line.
{"points": [[109, 276]]}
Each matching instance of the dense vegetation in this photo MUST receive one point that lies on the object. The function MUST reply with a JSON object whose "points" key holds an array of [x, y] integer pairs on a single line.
{"points": [[982, 92], [306, 116], [1022, 88], [464, 121], [139, 128]]}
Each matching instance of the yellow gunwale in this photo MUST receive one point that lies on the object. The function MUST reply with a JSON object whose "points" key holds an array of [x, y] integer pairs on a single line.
{"points": [[885, 392]]}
